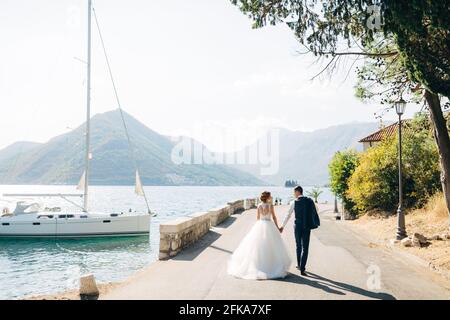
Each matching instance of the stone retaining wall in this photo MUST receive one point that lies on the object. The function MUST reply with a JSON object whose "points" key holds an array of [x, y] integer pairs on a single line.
{"points": [[236, 206], [250, 203], [175, 235], [219, 215]]}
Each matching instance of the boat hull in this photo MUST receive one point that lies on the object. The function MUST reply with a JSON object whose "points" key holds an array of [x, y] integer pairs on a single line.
{"points": [[77, 226], [73, 236]]}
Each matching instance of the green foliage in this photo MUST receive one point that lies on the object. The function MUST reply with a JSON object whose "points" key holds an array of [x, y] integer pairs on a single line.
{"points": [[422, 60], [341, 168], [385, 79], [374, 184], [319, 25], [419, 29], [314, 193], [422, 31]]}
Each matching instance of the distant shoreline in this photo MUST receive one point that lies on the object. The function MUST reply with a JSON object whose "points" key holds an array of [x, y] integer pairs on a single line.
{"points": [[132, 185], [159, 185]]}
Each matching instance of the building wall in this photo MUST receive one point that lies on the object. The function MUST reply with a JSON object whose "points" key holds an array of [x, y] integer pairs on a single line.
{"points": [[367, 145]]}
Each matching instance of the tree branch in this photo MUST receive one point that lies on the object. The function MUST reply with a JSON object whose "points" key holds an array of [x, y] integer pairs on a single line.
{"points": [[367, 54]]}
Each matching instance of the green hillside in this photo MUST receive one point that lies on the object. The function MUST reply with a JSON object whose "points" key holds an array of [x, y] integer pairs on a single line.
{"points": [[60, 160]]}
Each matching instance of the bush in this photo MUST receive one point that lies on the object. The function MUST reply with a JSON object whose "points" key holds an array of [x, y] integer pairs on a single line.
{"points": [[374, 183], [341, 168]]}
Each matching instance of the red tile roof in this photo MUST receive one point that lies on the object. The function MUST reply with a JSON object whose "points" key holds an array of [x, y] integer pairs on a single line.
{"points": [[384, 133]]}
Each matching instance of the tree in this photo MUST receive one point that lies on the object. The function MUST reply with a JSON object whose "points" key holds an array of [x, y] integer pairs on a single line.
{"points": [[417, 31], [341, 168], [315, 193], [290, 183], [383, 79], [422, 33]]}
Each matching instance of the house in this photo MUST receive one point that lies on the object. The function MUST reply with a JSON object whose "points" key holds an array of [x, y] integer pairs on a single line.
{"points": [[386, 132]]}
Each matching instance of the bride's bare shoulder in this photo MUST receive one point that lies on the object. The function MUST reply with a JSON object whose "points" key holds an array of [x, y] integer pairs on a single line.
{"points": [[263, 205]]}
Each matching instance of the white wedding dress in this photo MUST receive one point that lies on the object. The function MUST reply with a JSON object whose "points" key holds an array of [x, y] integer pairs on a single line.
{"points": [[262, 253]]}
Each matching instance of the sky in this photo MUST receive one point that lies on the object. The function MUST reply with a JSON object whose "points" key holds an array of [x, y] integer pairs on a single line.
{"points": [[182, 67]]}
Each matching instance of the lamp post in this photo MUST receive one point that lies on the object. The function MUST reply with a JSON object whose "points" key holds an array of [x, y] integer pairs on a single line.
{"points": [[401, 229], [335, 205], [336, 210]]}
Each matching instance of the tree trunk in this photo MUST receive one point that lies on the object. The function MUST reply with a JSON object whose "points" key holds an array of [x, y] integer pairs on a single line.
{"points": [[442, 141]]}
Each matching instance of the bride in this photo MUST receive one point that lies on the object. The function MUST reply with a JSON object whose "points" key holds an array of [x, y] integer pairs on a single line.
{"points": [[262, 253]]}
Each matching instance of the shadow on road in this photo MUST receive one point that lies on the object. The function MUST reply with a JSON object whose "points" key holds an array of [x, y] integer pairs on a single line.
{"points": [[208, 239], [222, 249], [294, 278], [335, 287], [228, 222]]}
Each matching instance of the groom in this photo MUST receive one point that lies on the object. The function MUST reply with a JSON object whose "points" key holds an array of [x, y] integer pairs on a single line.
{"points": [[306, 219]]}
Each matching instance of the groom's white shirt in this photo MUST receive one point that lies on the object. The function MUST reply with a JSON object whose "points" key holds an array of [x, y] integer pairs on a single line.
{"points": [[291, 209]]}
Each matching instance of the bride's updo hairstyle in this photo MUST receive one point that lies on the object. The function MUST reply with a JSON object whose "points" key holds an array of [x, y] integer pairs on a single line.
{"points": [[264, 196]]}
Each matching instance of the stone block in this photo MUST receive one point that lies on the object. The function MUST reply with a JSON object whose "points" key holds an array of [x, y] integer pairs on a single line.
{"points": [[406, 242], [436, 237], [164, 245], [394, 241], [175, 225], [174, 245], [416, 243], [88, 286], [173, 253], [218, 215], [419, 238], [163, 255]]}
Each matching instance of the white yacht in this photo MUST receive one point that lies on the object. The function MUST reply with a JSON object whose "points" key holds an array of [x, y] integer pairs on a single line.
{"points": [[32, 220], [29, 221]]}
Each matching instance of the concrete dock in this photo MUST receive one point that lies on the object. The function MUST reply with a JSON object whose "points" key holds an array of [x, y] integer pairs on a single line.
{"points": [[342, 265]]}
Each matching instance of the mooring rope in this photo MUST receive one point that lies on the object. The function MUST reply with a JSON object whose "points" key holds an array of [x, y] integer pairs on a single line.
{"points": [[119, 105]]}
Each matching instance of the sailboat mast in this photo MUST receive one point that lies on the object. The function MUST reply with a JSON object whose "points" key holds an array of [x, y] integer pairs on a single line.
{"points": [[88, 111]]}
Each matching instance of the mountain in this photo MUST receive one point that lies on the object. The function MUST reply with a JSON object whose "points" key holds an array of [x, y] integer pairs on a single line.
{"points": [[61, 159], [301, 156], [304, 156], [17, 148]]}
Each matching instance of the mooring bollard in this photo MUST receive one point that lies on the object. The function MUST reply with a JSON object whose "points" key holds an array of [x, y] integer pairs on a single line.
{"points": [[88, 286]]}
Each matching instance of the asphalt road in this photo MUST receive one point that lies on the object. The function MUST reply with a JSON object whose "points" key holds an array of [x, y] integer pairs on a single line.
{"points": [[342, 265]]}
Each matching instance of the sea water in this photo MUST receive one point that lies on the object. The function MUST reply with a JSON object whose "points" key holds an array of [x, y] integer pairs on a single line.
{"points": [[36, 267]]}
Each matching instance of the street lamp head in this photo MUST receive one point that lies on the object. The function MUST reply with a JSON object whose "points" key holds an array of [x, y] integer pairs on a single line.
{"points": [[400, 106]]}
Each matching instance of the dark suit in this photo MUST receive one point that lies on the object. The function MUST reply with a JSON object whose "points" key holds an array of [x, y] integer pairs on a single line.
{"points": [[306, 218]]}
